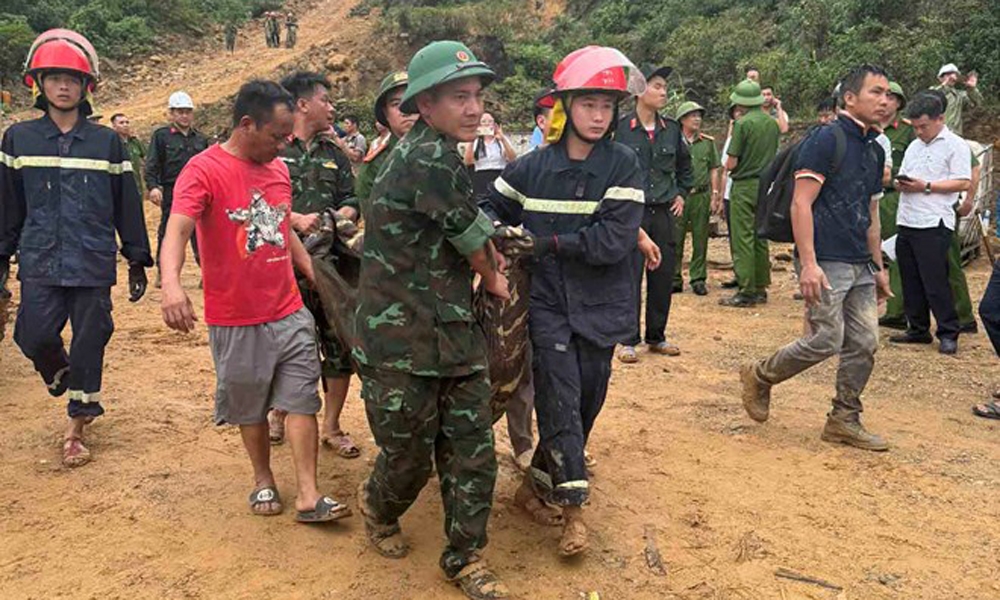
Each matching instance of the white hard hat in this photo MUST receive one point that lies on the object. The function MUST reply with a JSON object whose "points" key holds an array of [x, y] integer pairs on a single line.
{"points": [[948, 68], [180, 100]]}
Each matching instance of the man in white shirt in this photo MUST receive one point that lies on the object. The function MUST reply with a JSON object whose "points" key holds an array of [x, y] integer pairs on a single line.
{"points": [[936, 168]]}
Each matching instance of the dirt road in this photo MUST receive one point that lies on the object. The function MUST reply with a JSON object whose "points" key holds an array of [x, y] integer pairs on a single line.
{"points": [[161, 512]]}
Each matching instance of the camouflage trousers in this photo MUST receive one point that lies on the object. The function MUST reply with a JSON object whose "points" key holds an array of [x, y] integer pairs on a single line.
{"points": [[418, 419]]}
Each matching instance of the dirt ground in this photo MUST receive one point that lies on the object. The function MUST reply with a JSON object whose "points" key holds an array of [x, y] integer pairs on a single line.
{"points": [[161, 511]]}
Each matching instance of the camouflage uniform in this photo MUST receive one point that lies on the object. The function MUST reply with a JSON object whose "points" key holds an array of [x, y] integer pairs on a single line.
{"points": [[369, 170], [422, 356], [321, 179]]}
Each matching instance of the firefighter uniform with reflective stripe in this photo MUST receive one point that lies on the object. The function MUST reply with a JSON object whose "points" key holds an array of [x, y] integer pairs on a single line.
{"points": [[582, 297], [63, 197]]}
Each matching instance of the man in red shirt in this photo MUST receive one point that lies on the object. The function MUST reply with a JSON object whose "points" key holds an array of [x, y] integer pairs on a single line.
{"points": [[238, 196]]}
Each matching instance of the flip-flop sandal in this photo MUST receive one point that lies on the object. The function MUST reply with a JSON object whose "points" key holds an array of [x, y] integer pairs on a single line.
{"points": [[627, 355], [576, 531], [386, 539], [276, 427], [990, 410], [327, 509], [341, 444], [265, 495], [478, 582], [75, 454]]}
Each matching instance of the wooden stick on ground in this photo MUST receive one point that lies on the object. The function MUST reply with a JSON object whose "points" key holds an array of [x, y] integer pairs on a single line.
{"points": [[789, 574], [652, 553]]}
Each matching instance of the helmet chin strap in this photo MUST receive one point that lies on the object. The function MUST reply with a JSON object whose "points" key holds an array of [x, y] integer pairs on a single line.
{"points": [[572, 126]]}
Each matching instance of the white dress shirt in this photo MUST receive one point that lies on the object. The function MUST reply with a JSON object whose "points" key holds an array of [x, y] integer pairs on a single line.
{"points": [[947, 156]]}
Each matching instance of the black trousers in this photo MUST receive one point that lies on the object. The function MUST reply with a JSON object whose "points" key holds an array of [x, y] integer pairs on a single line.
{"points": [[923, 265], [571, 384], [41, 317], [989, 308], [659, 225], [165, 205]]}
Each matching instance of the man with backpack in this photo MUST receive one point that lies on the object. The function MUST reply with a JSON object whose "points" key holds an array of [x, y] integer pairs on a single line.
{"points": [[751, 149], [835, 220]]}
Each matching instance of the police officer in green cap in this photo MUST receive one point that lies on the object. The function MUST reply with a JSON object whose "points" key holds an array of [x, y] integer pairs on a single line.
{"points": [[706, 167], [422, 356], [752, 147], [387, 113], [900, 134]]}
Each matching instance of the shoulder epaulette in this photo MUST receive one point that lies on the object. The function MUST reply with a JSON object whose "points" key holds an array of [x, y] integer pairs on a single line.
{"points": [[705, 136], [907, 122]]}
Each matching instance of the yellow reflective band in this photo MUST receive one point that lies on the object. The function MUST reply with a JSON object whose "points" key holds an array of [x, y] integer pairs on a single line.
{"points": [[84, 397], [508, 191], [60, 162], [330, 165], [574, 485], [561, 207], [625, 194]]}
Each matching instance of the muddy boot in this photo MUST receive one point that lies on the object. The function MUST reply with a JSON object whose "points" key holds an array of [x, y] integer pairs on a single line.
{"points": [[846, 428], [756, 394]]}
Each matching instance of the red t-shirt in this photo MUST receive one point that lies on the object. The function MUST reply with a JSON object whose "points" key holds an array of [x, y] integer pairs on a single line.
{"points": [[242, 211]]}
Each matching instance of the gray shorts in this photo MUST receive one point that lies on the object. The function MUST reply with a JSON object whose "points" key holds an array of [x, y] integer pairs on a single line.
{"points": [[260, 367]]}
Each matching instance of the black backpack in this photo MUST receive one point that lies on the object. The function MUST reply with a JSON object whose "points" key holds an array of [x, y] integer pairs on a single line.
{"points": [[777, 185]]}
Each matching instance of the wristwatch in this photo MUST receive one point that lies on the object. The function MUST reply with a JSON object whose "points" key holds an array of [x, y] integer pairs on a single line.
{"points": [[927, 188]]}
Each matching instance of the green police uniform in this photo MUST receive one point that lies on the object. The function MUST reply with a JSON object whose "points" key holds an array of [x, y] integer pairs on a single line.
{"points": [[321, 179], [754, 143], [697, 209], [137, 156], [900, 134], [422, 355], [956, 275]]}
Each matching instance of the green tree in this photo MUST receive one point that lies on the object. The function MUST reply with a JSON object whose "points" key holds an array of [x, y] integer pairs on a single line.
{"points": [[15, 39]]}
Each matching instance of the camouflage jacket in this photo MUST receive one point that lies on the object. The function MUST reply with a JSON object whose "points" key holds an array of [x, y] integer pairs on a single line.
{"points": [[369, 169], [415, 297], [321, 175]]}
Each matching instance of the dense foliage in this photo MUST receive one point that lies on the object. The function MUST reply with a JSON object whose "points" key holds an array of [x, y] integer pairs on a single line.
{"points": [[800, 46], [117, 28]]}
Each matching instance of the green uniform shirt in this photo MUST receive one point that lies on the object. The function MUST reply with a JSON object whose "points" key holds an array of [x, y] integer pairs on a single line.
{"points": [[900, 134], [958, 101], [755, 143], [415, 299], [321, 175], [367, 172], [137, 156], [704, 158]]}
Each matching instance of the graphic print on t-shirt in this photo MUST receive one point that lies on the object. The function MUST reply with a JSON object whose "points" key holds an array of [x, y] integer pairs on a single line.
{"points": [[262, 222]]}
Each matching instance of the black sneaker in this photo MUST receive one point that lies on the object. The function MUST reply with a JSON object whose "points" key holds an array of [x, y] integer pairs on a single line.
{"points": [[760, 297], [732, 284], [699, 288], [678, 288], [911, 338], [738, 301], [893, 322]]}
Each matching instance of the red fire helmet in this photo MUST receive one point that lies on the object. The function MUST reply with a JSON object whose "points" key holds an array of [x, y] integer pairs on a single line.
{"points": [[65, 50]]}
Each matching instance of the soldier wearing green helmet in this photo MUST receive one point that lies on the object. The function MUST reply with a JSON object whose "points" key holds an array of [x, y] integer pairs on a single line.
{"points": [[706, 167], [900, 134], [421, 355], [753, 145], [388, 114]]}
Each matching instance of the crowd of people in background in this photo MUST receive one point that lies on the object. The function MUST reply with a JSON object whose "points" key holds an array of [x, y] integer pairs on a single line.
{"points": [[603, 200]]}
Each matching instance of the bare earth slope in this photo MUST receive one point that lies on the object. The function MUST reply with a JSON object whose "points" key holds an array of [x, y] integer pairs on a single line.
{"points": [[161, 512]]}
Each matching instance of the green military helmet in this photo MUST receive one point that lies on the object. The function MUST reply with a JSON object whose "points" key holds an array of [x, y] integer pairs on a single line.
{"points": [[687, 108], [747, 93], [441, 62], [895, 88], [392, 81]]}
